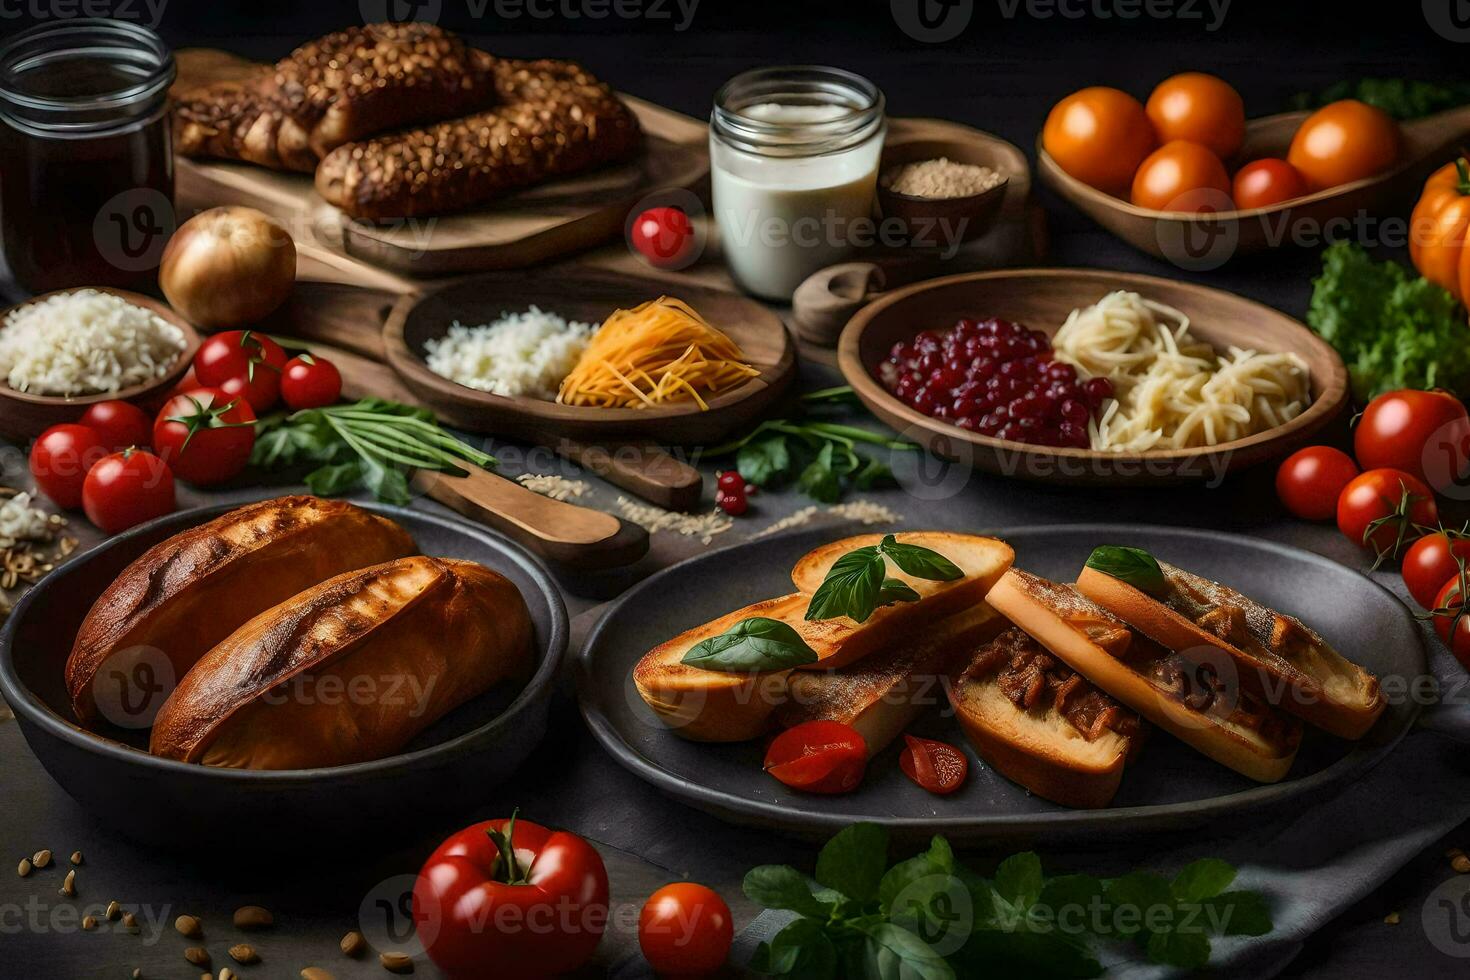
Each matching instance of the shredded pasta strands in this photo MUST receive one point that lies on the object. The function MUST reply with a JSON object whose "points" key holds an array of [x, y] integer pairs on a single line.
{"points": [[1171, 390], [654, 354]]}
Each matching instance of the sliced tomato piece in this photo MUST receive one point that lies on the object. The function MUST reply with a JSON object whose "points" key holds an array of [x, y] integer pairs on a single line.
{"points": [[819, 757], [937, 766]]}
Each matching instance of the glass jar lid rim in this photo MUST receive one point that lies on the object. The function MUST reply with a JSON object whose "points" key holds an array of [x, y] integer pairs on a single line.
{"points": [[863, 101], [157, 81]]}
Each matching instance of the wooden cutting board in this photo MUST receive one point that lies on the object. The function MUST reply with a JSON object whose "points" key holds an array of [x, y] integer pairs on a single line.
{"points": [[520, 230]]}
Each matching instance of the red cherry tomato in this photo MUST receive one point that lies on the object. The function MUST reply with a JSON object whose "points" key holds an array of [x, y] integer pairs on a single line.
{"points": [[1451, 619], [127, 488], [205, 435], [937, 766], [665, 237], [60, 459], [310, 382], [1430, 562], [819, 757], [685, 930], [1310, 481], [538, 915], [242, 362], [1383, 510], [119, 424], [1262, 183], [1426, 433]]}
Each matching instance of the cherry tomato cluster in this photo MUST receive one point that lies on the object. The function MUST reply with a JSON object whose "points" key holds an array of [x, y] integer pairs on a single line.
{"points": [[119, 465], [534, 902], [1410, 446], [830, 757], [1171, 153], [732, 493], [997, 378]]}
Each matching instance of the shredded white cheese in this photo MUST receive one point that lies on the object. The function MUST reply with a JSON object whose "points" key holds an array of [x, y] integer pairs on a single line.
{"points": [[518, 354], [84, 342], [19, 521]]}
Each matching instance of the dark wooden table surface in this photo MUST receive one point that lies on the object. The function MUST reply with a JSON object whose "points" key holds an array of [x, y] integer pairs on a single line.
{"points": [[1002, 72]]}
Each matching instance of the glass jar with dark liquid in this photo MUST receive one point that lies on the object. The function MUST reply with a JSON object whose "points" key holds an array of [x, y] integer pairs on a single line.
{"points": [[86, 165]]}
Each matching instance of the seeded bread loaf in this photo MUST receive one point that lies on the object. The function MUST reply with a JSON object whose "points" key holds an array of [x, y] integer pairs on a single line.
{"points": [[346, 86], [552, 118]]}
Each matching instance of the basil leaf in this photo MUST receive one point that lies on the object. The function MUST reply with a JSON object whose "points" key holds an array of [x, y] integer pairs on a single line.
{"points": [[1035, 955], [894, 953], [1134, 566], [820, 479], [779, 886], [752, 645], [1018, 880], [332, 480], [874, 473], [850, 587], [802, 949], [853, 862], [1203, 879], [1238, 914], [920, 562], [387, 482], [1186, 950], [896, 590], [1137, 891], [764, 462], [938, 860]]}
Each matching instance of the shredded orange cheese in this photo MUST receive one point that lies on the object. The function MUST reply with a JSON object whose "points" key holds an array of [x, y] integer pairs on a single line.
{"points": [[654, 354]]}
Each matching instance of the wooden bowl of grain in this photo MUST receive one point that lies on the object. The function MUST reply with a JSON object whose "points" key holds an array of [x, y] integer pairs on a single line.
{"points": [[946, 191], [25, 415]]}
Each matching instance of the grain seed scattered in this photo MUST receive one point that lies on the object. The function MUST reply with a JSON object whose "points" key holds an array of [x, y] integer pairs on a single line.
{"points": [[353, 943], [76, 858], [315, 973], [1391, 919], [189, 926], [225, 973], [197, 955], [553, 486], [941, 179], [244, 954], [252, 917], [89, 922], [864, 512], [137, 973], [654, 519], [113, 910], [41, 858], [69, 885], [396, 962], [1460, 864], [24, 867], [130, 922]]}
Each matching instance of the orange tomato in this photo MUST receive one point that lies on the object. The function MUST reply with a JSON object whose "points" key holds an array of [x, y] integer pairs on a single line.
{"points": [[1182, 176], [1438, 225], [1200, 108], [1262, 183], [1343, 142], [1099, 135]]}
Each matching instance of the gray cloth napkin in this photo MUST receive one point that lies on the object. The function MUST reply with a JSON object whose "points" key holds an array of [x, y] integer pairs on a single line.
{"points": [[1312, 864]]}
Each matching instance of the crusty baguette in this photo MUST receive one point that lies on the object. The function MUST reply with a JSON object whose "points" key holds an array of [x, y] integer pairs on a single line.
{"points": [[350, 670], [983, 560], [553, 119], [185, 594], [1021, 711], [883, 693], [1281, 659], [1237, 730], [346, 86]]}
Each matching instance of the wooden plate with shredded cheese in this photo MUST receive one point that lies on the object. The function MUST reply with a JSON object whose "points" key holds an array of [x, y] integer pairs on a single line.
{"points": [[731, 398]]}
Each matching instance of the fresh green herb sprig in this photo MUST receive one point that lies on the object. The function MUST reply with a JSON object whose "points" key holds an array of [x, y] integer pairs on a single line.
{"points": [[929, 917], [1134, 566], [821, 456], [751, 645], [1402, 98], [371, 443], [858, 582]]}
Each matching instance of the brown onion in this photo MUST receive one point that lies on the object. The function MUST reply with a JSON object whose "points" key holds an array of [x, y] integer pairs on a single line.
{"points": [[228, 267]]}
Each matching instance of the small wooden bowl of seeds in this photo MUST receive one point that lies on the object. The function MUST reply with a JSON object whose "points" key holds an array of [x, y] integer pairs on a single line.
{"points": [[945, 191]]}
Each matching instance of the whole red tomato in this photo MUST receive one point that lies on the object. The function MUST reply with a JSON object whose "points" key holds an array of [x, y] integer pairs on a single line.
{"points": [[819, 757], [309, 381], [204, 435], [60, 459], [937, 766], [511, 899], [242, 362], [1384, 510], [1310, 481], [127, 488], [1262, 183], [664, 236], [685, 930], [1425, 433], [1451, 620], [1430, 562], [119, 424]]}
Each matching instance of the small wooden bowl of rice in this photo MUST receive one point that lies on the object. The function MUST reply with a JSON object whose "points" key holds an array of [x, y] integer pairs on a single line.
{"points": [[63, 351], [945, 191]]}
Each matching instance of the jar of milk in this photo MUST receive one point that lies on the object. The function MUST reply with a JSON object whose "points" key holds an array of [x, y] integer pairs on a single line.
{"points": [[794, 166]]}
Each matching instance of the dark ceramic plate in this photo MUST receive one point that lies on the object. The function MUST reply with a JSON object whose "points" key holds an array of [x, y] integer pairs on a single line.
{"points": [[1168, 787], [468, 751]]}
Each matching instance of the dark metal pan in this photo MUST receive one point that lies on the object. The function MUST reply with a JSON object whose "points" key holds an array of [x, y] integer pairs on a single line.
{"points": [[446, 769]]}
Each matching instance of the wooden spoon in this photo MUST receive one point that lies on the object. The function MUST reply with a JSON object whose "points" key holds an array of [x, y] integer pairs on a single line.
{"points": [[1207, 241]]}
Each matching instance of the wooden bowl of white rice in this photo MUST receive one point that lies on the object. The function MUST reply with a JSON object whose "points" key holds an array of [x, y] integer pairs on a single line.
{"points": [[63, 351]]}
